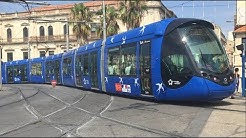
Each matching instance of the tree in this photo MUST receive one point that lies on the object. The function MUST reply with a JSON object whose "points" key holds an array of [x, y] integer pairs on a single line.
{"points": [[112, 26], [82, 28], [131, 12]]}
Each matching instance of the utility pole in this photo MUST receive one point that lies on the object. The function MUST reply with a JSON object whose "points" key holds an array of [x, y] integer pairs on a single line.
{"points": [[102, 49], [29, 48], [1, 81], [243, 71], [67, 42]]}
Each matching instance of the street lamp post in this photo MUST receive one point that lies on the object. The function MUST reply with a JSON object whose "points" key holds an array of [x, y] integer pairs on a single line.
{"points": [[1, 82], [67, 41], [102, 49], [243, 71]]}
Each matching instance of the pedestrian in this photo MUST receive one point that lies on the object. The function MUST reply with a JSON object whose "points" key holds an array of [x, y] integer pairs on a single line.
{"points": [[237, 81]]}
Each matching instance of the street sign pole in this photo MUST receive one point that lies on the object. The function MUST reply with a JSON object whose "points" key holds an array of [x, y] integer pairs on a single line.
{"points": [[1, 81], [243, 71], [102, 49]]}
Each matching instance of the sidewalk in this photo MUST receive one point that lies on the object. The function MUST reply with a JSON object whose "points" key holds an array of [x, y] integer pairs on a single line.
{"points": [[227, 120]]}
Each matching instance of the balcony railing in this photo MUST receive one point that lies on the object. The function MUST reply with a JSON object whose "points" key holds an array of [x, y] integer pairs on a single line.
{"points": [[35, 39]]}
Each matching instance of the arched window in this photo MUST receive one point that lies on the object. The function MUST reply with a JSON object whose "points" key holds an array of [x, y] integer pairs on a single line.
{"points": [[50, 32], [41, 32], [25, 34], [9, 35]]}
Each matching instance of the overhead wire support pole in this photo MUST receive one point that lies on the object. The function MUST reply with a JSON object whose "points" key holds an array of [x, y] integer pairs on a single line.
{"points": [[102, 49], [243, 70], [67, 42], [1, 81]]}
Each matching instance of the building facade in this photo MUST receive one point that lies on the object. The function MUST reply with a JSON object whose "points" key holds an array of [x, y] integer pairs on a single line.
{"points": [[43, 30], [239, 33]]}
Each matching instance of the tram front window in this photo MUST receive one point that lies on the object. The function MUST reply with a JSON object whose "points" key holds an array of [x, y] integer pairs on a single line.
{"points": [[205, 47], [193, 49]]}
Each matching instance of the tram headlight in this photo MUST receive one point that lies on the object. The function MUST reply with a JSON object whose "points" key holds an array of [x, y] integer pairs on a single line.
{"points": [[230, 77], [216, 79]]}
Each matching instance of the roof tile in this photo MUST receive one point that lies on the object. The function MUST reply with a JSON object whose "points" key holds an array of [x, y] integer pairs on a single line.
{"points": [[69, 6], [241, 29]]}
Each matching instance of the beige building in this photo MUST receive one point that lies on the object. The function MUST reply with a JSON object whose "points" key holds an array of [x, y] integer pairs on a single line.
{"points": [[239, 33], [229, 47], [43, 30], [220, 35], [228, 44]]}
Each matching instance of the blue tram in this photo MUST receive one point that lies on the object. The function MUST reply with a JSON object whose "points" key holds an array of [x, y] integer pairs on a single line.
{"points": [[176, 59]]}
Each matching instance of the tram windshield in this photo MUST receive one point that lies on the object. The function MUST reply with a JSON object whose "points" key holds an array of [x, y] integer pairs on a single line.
{"points": [[190, 49], [205, 48]]}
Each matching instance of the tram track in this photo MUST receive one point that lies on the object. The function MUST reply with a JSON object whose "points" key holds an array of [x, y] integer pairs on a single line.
{"points": [[74, 128], [73, 131], [99, 115], [23, 98]]}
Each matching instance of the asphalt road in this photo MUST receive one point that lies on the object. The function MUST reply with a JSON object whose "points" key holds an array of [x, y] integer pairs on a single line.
{"points": [[34, 110]]}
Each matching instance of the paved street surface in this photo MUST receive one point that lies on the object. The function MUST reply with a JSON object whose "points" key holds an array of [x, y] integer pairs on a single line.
{"points": [[34, 110]]}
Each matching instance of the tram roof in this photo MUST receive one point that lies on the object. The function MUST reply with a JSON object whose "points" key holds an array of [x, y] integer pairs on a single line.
{"points": [[54, 56], [182, 21]]}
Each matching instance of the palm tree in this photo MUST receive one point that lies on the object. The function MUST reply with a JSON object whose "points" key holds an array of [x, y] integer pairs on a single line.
{"points": [[82, 17], [112, 26], [131, 12]]}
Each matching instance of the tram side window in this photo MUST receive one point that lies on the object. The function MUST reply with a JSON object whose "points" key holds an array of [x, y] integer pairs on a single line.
{"points": [[16, 70], [128, 62], [86, 65], [78, 65], [49, 68], [67, 66], [93, 63], [177, 63], [10, 71], [36, 69], [122, 60], [114, 61], [57, 65]]}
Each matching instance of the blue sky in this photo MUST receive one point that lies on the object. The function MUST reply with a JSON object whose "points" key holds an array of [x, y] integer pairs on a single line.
{"points": [[218, 12]]}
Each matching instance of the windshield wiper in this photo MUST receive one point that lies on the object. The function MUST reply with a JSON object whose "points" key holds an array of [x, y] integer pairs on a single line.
{"points": [[203, 60]]}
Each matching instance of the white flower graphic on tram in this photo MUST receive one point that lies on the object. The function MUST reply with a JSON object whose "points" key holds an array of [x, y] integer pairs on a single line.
{"points": [[121, 81], [112, 39], [160, 87], [142, 30], [124, 40], [136, 82], [106, 79]]}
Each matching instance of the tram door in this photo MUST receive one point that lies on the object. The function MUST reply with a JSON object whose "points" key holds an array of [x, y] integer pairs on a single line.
{"points": [[93, 70], [78, 70], [10, 78], [48, 71], [23, 73], [57, 71], [145, 61]]}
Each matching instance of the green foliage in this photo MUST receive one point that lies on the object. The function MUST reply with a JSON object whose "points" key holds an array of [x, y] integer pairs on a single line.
{"points": [[81, 27], [112, 26], [131, 12]]}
